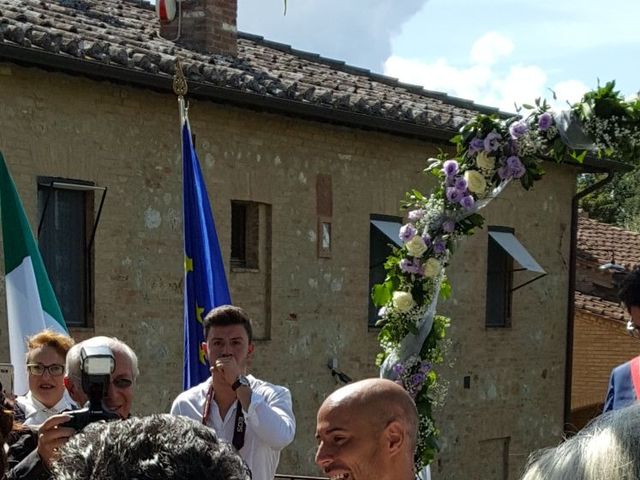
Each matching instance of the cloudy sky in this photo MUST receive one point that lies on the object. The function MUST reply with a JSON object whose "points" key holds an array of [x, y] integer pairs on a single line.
{"points": [[495, 52]]}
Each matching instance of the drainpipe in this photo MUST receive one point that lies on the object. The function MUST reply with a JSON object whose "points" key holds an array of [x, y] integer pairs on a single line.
{"points": [[572, 289]]}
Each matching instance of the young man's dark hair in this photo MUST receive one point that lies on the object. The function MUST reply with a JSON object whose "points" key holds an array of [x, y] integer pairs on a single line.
{"points": [[226, 315], [629, 292], [157, 447]]}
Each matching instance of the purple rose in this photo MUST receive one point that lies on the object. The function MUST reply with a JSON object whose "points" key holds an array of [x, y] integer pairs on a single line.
{"points": [[417, 379], [492, 142], [545, 121], [415, 215], [407, 232], [439, 246], [518, 129], [453, 194], [408, 266], [476, 145], [448, 226], [398, 369], [460, 183], [519, 171], [467, 202], [425, 367], [504, 173], [427, 239], [450, 168], [513, 162]]}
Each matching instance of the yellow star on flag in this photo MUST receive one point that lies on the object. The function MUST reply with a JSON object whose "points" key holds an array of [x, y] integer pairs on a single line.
{"points": [[199, 312], [188, 264]]}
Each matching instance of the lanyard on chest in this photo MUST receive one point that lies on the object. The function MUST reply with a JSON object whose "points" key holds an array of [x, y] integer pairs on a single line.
{"points": [[239, 426]]}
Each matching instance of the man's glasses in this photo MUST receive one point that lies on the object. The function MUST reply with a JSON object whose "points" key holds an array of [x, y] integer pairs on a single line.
{"points": [[632, 329], [37, 369]]}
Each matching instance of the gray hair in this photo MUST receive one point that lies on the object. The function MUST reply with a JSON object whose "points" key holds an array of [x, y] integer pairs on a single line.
{"points": [[157, 447], [607, 448], [72, 369]]}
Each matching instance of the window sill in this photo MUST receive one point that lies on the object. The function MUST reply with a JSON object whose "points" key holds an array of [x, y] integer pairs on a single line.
{"points": [[244, 270]]}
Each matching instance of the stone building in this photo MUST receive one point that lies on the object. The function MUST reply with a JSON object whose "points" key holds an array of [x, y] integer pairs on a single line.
{"points": [[306, 161], [601, 341]]}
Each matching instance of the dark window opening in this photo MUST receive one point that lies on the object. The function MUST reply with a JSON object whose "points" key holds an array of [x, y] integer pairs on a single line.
{"points": [[499, 282], [66, 223], [245, 228], [383, 236]]}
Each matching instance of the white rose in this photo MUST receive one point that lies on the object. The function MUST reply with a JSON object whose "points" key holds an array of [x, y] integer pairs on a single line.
{"points": [[403, 301], [475, 182], [416, 246], [485, 162], [431, 268]]}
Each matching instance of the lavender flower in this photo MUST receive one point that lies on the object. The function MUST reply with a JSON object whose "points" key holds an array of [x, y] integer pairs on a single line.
{"points": [[448, 226], [492, 142], [407, 232], [439, 246], [453, 194], [504, 173], [460, 183], [450, 168], [518, 129], [398, 369], [415, 215], [408, 266], [545, 121], [476, 145], [427, 239], [513, 162], [425, 367], [467, 202], [417, 379]]}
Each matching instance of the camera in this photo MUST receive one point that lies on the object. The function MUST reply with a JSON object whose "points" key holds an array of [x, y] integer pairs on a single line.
{"points": [[96, 366]]}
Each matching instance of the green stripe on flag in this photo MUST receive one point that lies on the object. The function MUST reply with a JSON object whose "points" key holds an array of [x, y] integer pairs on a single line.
{"points": [[19, 242]]}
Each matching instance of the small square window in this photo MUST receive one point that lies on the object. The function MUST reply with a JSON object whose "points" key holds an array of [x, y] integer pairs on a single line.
{"points": [[245, 241]]}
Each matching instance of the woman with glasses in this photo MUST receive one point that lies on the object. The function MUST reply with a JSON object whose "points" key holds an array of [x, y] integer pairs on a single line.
{"points": [[47, 394]]}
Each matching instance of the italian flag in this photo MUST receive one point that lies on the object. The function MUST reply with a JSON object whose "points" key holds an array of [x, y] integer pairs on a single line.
{"points": [[31, 303]]}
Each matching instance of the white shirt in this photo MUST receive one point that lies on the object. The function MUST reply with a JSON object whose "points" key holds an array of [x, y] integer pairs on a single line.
{"points": [[35, 413], [271, 425]]}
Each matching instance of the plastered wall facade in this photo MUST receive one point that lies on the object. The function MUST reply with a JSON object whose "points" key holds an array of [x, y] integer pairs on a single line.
{"points": [[307, 309]]}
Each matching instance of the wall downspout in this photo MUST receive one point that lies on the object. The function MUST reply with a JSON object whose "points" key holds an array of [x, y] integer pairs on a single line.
{"points": [[572, 289]]}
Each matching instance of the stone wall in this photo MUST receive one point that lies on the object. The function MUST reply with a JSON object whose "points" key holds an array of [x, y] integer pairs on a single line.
{"points": [[308, 309]]}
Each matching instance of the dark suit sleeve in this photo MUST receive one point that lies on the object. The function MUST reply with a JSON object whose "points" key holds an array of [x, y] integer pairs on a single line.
{"points": [[24, 462], [610, 399]]}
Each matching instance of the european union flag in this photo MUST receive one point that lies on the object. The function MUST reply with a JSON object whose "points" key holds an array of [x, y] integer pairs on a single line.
{"points": [[205, 284]]}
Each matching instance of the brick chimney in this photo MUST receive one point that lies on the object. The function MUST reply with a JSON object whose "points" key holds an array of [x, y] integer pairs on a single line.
{"points": [[207, 26]]}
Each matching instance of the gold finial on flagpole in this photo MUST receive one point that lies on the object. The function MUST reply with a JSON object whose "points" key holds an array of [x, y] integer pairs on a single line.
{"points": [[180, 88]]}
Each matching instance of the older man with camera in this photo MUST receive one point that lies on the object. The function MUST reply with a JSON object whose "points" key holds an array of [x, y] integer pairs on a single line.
{"points": [[100, 372]]}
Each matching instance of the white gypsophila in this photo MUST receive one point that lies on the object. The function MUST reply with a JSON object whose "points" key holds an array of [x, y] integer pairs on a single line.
{"points": [[434, 210], [530, 145], [438, 393]]}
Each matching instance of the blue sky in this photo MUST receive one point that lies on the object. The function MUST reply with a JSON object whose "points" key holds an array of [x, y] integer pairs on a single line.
{"points": [[495, 52]]}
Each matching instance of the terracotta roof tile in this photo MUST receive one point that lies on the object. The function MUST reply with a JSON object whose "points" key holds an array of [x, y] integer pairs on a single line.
{"points": [[600, 242], [125, 33], [598, 306]]}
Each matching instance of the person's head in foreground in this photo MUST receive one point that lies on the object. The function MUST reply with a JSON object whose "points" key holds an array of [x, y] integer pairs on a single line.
{"points": [[606, 449], [367, 430], [158, 447]]}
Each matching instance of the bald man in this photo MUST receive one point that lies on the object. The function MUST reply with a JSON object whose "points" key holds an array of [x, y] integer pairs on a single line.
{"points": [[367, 430]]}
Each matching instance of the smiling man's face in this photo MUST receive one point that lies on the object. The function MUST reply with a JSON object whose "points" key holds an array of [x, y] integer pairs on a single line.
{"points": [[349, 443]]}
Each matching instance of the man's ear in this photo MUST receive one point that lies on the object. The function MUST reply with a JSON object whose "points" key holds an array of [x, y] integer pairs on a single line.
{"points": [[205, 349], [250, 349], [394, 437]]}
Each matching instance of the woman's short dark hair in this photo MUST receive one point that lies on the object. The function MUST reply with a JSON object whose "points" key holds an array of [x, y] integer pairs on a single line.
{"points": [[226, 315]]}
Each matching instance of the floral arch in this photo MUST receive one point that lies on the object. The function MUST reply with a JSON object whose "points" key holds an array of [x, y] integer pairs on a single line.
{"points": [[491, 152]]}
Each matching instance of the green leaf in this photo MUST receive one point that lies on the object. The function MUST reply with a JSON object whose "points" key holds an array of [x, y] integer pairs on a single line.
{"points": [[381, 294]]}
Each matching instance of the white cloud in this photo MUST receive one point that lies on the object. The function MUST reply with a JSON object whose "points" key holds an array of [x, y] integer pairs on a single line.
{"points": [[488, 79], [489, 48]]}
